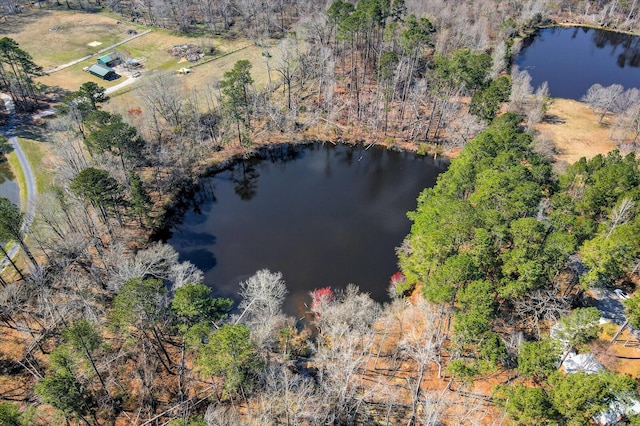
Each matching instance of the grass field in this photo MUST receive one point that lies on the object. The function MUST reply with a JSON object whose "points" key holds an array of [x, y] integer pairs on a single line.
{"points": [[205, 73], [12, 158], [54, 38], [36, 153], [574, 130], [57, 37]]}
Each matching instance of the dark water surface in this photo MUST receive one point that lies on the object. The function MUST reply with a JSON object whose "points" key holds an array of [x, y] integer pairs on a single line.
{"points": [[573, 59], [8, 185], [320, 214]]}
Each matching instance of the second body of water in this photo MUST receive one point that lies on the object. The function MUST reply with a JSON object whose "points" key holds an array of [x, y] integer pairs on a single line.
{"points": [[573, 59]]}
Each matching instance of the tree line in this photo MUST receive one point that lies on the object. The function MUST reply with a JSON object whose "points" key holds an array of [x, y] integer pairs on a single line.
{"points": [[508, 248]]}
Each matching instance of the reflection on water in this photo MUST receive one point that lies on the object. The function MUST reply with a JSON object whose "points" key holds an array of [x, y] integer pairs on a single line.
{"points": [[320, 214], [8, 185], [626, 47], [573, 59]]}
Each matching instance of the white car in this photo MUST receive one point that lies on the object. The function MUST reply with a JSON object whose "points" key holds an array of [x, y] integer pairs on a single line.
{"points": [[621, 294]]}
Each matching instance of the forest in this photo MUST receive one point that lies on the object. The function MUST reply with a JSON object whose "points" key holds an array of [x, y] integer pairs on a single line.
{"points": [[103, 325]]}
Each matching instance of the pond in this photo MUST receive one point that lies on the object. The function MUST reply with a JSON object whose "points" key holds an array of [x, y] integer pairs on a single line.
{"points": [[323, 215], [8, 185], [573, 59]]}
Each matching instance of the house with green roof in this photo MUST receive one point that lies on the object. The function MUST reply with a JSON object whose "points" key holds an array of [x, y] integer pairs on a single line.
{"points": [[103, 71]]}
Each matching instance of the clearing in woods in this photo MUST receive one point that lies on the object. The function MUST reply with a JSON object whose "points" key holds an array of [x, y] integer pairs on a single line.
{"points": [[574, 130], [54, 38], [200, 81]]}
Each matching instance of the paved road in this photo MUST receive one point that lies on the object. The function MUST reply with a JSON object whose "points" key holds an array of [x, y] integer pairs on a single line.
{"points": [[119, 86], [29, 208]]}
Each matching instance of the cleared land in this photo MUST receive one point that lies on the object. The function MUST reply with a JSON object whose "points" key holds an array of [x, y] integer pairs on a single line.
{"points": [[574, 130], [54, 38], [67, 35], [204, 73], [57, 37]]}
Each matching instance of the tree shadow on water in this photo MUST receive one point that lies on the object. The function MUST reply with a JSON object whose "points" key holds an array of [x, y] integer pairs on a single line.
{"points": [[245, 179], [203, 259]]}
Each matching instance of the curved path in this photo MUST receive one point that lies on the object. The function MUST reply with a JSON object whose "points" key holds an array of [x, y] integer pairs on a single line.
{"points": [[128, 81], [29, 204]]}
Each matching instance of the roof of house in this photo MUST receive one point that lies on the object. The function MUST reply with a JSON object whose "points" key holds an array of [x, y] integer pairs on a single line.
{"points": [[617, 409], [106, 58], [99, 69], [587, 363]]}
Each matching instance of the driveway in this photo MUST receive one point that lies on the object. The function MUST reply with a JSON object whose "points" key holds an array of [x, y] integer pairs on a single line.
{"points": [[119, 86], [9, 131]]}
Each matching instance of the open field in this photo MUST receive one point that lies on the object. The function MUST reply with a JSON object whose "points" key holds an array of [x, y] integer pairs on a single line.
{"points": [[57, 37], [67, 33], [203, 74], [36, 153], [574, 130]]}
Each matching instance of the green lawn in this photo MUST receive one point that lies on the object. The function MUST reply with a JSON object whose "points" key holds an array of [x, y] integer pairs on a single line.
{"points": [[36, 152], [55, 37]]}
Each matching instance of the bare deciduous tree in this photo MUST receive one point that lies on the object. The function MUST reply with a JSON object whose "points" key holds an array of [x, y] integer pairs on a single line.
{"points": [[541, 308], [521, 90], [159, 260], [603, 99], [261, 306], [621, 214]]}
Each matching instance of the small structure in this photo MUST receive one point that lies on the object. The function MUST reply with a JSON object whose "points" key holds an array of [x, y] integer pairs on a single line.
{"points": [[110, 60], [103, 71], [184, 70], [620, 407]]}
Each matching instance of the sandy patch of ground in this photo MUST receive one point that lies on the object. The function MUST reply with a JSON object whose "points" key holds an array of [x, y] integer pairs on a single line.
{"points": [[574, 130]]}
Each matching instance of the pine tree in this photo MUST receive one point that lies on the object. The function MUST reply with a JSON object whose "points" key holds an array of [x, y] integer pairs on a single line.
{"points": [[17, 70]]}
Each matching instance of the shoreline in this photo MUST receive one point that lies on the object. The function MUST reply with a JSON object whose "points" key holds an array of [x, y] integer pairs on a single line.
{"points": [[568, 24], [175, 202]]}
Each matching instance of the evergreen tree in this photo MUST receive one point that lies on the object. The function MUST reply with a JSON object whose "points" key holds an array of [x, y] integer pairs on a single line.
{"points": [[230, 354], [141, 202], [235, 95], [100, 189], [17, 71]]}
